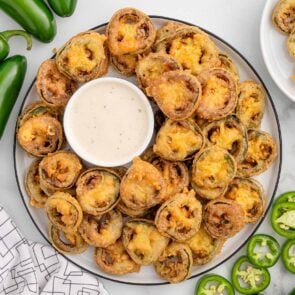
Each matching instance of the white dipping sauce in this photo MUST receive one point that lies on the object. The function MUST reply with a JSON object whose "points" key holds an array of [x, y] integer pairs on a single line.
{"points": [[108, 122]]}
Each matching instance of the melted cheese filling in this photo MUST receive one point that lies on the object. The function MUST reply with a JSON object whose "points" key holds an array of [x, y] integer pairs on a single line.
{"points": [[192, 53], [65, 209], [174, 95], [85, 56], [225, 137], [177, 139], [216, 93], [143, 239], [245, 196], [250, 108], [259, 149], [104, 192], [213, 168]]}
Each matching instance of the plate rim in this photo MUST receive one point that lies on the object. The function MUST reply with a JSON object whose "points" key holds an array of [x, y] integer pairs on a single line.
{"points": [[263, 51], [256, 225]]}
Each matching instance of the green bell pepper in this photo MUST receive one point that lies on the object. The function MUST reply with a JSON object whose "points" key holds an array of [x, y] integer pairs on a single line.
{"points": [[63, 8], [283, 219], [263, 250], [249, 279], [288, 255], [213, 284], [33, 15], [12, 75], [6, 35]]}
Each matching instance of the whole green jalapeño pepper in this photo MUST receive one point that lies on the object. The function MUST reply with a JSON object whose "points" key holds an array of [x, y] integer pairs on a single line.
{"points": [[6, 35], [249, 279], [12, 75], [63, 8], [288, 256], [33, 15], [213, 284], [263, 250]]}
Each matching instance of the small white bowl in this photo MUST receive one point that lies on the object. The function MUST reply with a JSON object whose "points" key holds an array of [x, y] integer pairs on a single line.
{"points": [[73, 136]]}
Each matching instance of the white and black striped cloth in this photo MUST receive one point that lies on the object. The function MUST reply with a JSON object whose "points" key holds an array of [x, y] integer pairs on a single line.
{"points": [[32, 268]]}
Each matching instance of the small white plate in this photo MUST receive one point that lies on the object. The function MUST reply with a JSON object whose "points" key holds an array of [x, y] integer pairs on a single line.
{"points": [[147, 275], [280, 65]]}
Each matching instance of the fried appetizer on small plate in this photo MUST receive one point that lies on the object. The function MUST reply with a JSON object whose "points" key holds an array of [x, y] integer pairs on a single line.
{"points": [[227, 63], [130, 31], [98, 190], [204, 247], [53, 87], [223, 218], [192, 48], [219, 94], [64, 212], [102, 231], [283, 16], [177, 94], [142, 241], [39, 132], [115, 260], [178, 140], [32, 185], [212, 170], [180, 217], [228, 133], [143, 186], [251, 104], [59, 171], [153, 66], [69, 242], [175, 263], [84, 57], [250, 195], [262, 151]]}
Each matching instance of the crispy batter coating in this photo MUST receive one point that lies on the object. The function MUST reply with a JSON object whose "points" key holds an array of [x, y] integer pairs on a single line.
{"points": [[219, 94], [212, 171], [175, 263], [175, 174], [192, 48], [64, 212], [228, 133], [283, 16], [262, 151], [98, 190], [142, 241], [59, 171], [143, 186], [153, 66], [54, 88], [84, 57], [177, 94], [251, 103], [228, 64], [180, 217], [168, 30], [130, 31], [125, 64], [204, 247], [178, 140], [74, 243], [32, 185], [223, 218], [115, 260], [250, 195], [39, 130], [102, 231]]}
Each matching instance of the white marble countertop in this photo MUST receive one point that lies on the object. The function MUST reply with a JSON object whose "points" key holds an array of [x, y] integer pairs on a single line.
{"points": [[237, 22]]}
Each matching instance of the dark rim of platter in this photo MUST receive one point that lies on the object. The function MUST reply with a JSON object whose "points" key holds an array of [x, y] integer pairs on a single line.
{"points": [[256, 226]]}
